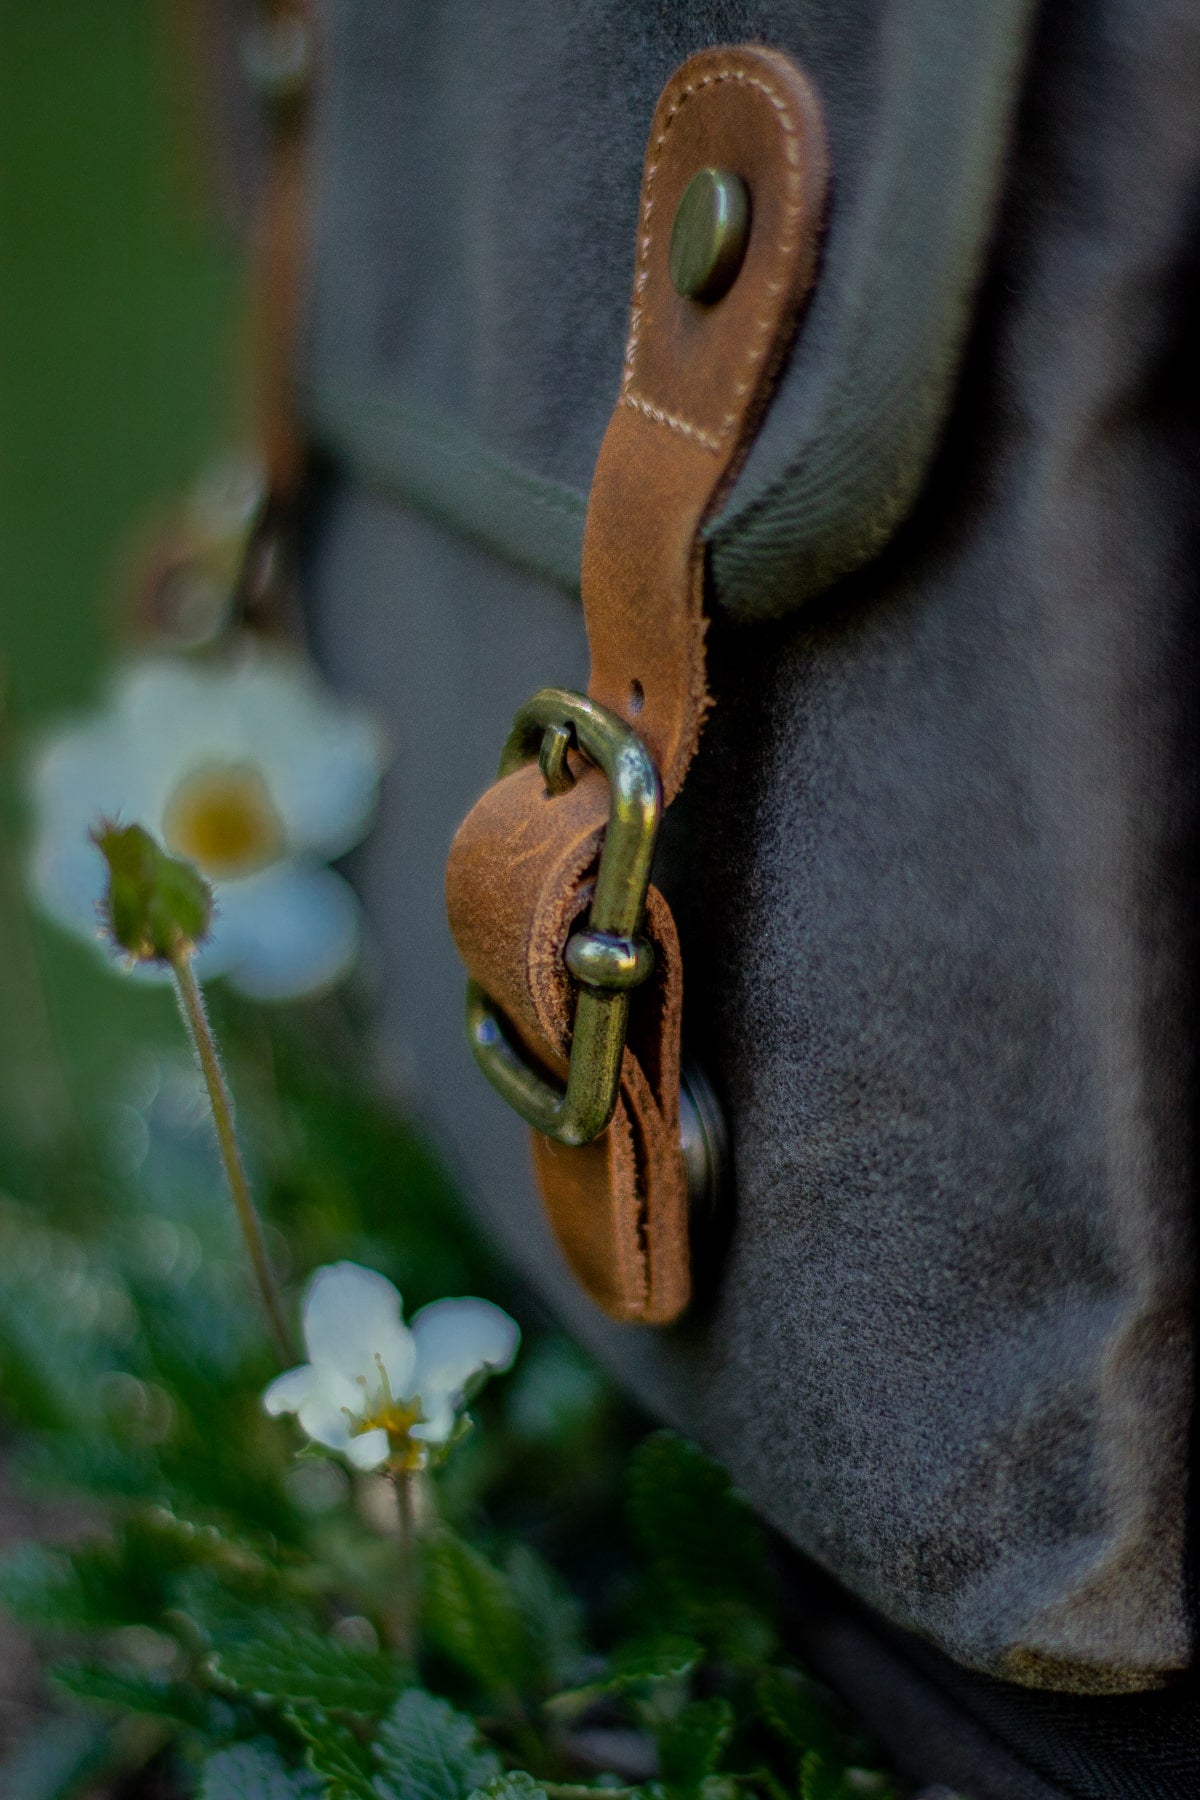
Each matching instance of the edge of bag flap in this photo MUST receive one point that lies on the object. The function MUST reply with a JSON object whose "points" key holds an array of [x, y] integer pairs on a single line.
{"points": [[844, 448]]}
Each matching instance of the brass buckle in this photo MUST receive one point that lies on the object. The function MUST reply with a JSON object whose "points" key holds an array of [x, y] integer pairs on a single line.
{"points": [[607, 958]]}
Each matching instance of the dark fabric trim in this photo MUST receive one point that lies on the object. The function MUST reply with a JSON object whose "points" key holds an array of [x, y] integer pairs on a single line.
{"points": [[844, 451]]}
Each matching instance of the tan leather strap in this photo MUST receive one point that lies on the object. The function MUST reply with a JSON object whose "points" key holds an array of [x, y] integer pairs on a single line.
{"points": [[697, 377]]}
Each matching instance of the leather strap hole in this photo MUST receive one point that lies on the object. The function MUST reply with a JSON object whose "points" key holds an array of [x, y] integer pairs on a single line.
{"points": [[637, 697]]}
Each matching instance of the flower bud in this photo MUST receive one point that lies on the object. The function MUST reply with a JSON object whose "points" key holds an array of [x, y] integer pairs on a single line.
{"points": [[155, 905]]}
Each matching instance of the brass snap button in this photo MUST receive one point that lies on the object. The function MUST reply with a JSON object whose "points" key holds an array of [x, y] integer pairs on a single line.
{"points": [[708, 238]]}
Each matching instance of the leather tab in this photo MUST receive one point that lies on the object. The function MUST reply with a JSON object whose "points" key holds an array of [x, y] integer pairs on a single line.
{"points": [[696, 380], [697, 377]]}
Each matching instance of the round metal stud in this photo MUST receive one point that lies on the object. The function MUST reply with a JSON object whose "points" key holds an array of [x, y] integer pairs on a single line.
{"points": [[709, 236], [599, 959], [705, 1145]]}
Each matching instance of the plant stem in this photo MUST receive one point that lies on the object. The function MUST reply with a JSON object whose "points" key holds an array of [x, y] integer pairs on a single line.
{"points": [[191, 1004], [406, 1610]]}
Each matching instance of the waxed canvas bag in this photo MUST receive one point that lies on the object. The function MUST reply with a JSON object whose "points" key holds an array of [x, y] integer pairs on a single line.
{"points": [[932, 864]]}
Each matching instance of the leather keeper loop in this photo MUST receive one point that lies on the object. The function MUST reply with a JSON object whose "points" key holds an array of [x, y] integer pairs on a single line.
{"points": [[696, 379]]}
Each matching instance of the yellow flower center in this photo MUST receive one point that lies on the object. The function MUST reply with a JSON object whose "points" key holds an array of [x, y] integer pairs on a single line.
{"points": [[223, 819], [397, 1418]]}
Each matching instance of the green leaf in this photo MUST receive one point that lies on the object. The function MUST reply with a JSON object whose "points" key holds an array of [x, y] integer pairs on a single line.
{"points": [[516, 1785], [336, 1755], [647, 1661], [473, 1616], [823, 1780], [427, 1751], [707, 1553], [636, 1667], [130, 1691], [690, 1745], [254, 1772], [799, 1712], [819, 1780], [296, 1667], [551, 1615]]}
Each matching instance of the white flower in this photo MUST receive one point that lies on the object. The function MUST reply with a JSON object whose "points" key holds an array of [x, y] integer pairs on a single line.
{"points": [[254, 772], [376, 1389]]}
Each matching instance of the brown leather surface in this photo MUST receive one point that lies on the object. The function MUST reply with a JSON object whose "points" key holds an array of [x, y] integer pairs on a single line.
{"points": [[695, 382]]}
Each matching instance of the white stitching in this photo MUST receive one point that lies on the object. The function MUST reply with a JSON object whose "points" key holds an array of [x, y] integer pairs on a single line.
{"points": [[792, 213], [629, 398]]}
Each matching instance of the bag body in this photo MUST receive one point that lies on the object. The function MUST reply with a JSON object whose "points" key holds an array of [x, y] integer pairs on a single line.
{"points": [[932, 866]]}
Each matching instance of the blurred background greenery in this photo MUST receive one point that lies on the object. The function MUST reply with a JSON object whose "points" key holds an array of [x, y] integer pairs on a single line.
{"points": [[121, 301]]}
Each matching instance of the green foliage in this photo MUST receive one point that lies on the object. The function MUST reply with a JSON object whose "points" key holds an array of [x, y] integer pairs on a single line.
{"points": [[798, 1711], [516, 1786], [295, 1667], [821, 1779], [706, 1552], [255, 1772], [245, 1616], [551, 1615], [130, 1691], [473, 1615], [339, 1758], [690, 1745], [645, 1663], [427, 1751]]}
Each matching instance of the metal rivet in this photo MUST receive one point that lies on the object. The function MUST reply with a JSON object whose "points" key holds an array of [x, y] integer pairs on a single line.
{"points": [[600, 959], [708, 238]]}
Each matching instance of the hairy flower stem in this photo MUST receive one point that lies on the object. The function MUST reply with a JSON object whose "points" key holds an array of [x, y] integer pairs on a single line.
{"points": [[405, 1617], [191, 1004]]}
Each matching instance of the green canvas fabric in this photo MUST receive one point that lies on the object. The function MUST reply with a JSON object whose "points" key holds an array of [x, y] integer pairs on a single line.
{"points": [[481, 171], [933, 864]]}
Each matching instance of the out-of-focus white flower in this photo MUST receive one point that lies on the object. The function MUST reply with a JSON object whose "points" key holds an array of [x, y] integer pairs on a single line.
{"points": [[376, 1389], [250, 769]]}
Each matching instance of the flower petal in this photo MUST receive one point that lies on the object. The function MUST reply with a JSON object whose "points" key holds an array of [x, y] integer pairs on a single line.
{"points": [[438, 1421], [290, 930], [325, 1421], [351, 1317], [288, 1392], [326, 1406], [455, 1340], [321, 756], [368, 1449]]}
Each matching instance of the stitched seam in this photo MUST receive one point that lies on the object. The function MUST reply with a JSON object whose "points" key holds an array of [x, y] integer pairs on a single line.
{"points": [[672, 419], [791, 150]]}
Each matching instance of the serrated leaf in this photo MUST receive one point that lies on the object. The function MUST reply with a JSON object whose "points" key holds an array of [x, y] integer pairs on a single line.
{"points": [[551, 1615], [254, 1772], [516, 1785], [336, 1755], [645, 1662], [130, 1691], [294, 1667], [690, 1745], [707, 1552], [798, 1711], [427, 1751], [635, 1668], [472, 1615]]}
